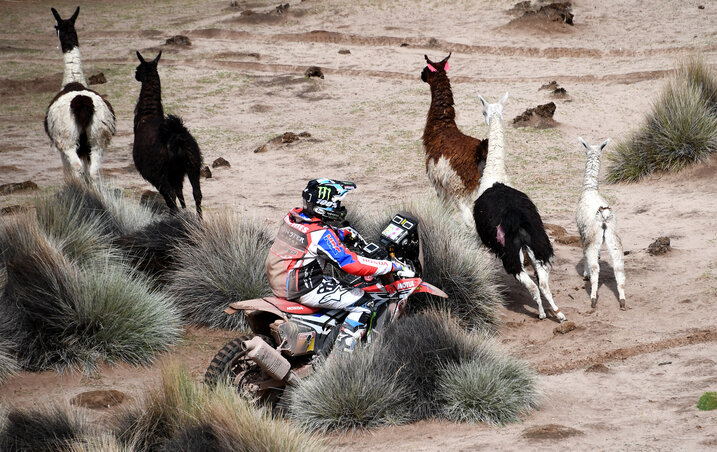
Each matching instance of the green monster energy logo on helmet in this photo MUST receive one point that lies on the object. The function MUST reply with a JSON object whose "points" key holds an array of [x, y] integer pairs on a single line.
{"points": [[325, 193]]}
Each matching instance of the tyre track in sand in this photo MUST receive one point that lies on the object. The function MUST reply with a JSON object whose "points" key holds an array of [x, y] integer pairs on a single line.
{"points": [[699, 336]]}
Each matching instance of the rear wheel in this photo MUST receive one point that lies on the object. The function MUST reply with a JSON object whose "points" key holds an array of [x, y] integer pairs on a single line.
{"points": [[231, 365]]}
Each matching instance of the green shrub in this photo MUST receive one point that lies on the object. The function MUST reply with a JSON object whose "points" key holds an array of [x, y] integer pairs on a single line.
{"points": [[223, 262], [681, 128], [708, 401]]}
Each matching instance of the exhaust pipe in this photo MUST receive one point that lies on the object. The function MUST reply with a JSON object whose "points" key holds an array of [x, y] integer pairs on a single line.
{"points": [[269, 359]]}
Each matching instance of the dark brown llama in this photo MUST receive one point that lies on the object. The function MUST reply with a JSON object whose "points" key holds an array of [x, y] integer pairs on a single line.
{"points": [[454, 161], [164, 150]]}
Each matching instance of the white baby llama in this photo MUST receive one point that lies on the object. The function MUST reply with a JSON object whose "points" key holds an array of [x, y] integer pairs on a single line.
{"points": [[597, 223]]}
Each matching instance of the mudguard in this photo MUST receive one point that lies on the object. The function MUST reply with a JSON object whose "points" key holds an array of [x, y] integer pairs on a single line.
{"points": [[431, 289]]}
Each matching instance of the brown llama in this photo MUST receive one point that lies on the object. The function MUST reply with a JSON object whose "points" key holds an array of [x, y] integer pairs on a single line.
{"points": [[164, 151], [454, 161]]}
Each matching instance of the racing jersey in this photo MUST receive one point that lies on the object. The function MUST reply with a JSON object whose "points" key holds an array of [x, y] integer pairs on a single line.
{"points": [[303, 246]]}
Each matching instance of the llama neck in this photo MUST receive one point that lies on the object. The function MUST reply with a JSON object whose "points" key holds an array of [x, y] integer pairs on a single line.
{"points": [[592, 170], [73, 67], [150, 99], [495, 161], [441, 114]]}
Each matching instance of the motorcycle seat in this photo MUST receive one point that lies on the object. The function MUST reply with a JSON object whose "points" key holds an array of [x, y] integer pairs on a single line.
{"points": [[291, 307]]}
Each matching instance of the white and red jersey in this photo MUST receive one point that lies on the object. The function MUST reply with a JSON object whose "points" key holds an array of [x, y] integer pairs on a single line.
{"points": [[303, 246]]}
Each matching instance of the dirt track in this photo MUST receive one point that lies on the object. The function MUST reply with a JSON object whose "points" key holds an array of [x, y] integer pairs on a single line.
{"points": [[241, 84]]}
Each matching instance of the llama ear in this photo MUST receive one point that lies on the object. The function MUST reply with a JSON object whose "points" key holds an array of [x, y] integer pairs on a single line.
{"points": [[580, 139], [602, 146], [482, 101], [446, 66], [504, 99], [56, 14], [139, 57], [74, 16], [431, 68], [156, 60], [426, 57]]}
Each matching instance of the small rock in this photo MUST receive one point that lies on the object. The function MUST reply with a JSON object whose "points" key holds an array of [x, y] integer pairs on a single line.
{"points": [[205, 172], [540, 116], [659, 246], [99, 400], [433, 42], [11, 210], [98, 79], [289, 137], [281, 9], [552, 86], [555, 230], [313, 71], [564, 327], [599, 368], [304, 134], [262, 148], [700, 6], [221, 162], [560, 92], [344, 52], [233, 4], [6, 189], [404, 44], [178, 40], [247, 12]]}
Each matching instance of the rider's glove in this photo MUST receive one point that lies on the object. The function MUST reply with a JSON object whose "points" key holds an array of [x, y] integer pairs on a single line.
{"points": [[348, 233], [403, 271]]}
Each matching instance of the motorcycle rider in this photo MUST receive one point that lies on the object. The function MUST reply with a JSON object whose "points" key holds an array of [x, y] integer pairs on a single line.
{"points": [[306, 241]]}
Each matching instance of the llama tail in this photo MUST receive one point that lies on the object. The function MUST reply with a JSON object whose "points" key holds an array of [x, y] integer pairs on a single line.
{"points": [[183, 148], [521, 232], [83, 109]]}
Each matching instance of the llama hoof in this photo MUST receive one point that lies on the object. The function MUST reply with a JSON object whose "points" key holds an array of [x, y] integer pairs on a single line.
{"points": [[586, 278], [593, 302], [622, 305], [541, 316], [561, 317]]}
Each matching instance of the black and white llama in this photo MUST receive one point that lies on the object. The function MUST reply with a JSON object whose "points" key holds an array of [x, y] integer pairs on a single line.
{"points": [[164, 151], [79, 122], [507, 221]]}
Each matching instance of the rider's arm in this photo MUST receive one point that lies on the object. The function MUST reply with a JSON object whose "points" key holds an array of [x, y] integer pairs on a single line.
{"points": [[330, 246]]}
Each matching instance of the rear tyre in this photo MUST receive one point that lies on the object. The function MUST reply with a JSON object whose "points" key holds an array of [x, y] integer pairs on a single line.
{"points": [[227, 361]]}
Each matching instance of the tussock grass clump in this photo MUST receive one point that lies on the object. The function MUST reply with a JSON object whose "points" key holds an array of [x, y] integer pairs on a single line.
{"points": [[59, 313], [102, 443], [8, 363], [493, 389], [424, 366], [454, 262], [185, 412], [223, 262], [350, 392], [681, 128], [45, 429]]}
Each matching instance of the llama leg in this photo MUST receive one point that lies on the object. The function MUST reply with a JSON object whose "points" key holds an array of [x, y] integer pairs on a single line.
{"points": [[193, 175], [592, 266], [542, 273], [165, 189], [524, 279], [95, 162], [467, 214], [614, 247], [180, 196]]}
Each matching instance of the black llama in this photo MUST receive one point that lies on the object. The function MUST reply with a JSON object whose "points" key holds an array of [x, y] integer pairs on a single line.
{"points": [[164, 150]]}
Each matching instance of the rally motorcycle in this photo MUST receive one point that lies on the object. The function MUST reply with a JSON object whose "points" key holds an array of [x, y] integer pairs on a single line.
{"points": [[289, 339]]}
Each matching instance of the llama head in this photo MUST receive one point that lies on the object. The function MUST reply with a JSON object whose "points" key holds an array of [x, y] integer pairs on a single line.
{"points": [[144, 69], [594, 150], [65, 29], [432, 69], [492, 110]]}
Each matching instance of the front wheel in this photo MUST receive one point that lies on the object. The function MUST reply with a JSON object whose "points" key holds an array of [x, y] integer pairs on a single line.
{"points": [[231, 365]]}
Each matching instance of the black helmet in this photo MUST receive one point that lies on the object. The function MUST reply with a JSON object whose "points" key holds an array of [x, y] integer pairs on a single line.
{"points": [[322, 197]]}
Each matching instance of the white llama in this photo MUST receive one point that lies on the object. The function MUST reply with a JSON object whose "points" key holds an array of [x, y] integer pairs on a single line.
{"points": [[507, 221], [597, 223], [79, 122]]}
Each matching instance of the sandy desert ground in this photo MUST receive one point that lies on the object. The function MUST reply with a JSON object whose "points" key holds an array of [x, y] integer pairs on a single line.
{"points": [[619, 381]]}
